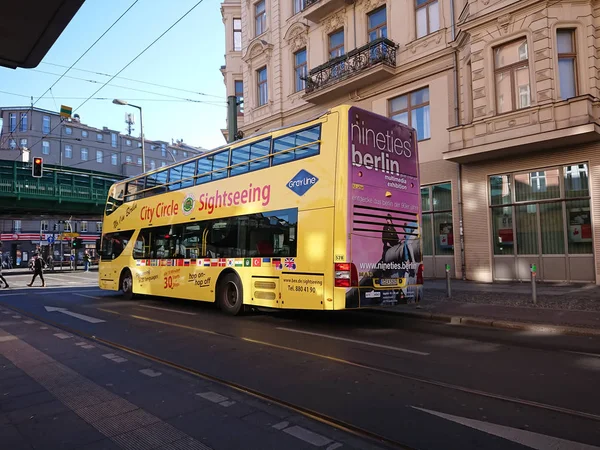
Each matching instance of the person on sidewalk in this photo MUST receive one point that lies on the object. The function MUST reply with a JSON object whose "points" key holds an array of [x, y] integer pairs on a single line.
{"points": [[38, 265], [1, 277], [86, 261]]}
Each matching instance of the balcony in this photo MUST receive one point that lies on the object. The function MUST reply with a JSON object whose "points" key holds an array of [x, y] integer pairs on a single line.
{"points": [[316, 10], [562, 123], [361, 67]]}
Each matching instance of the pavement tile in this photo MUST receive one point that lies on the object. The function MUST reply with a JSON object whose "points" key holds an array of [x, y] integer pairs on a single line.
{"points": [[11, 439], [63, 431], [261, 419], [104, 444], [50, 408], [167, 403], [17, 387]]}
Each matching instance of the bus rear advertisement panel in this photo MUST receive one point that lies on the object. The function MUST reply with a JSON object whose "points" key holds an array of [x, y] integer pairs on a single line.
{"points": [[383, 212]]}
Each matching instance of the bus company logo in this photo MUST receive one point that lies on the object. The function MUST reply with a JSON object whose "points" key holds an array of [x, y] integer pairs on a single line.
{"points": [[302, 182], [187, 206]]}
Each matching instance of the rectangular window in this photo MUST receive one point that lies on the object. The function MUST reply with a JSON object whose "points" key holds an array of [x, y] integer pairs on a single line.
{"points": [[139, 161], [113, 140], [174, 151], [152, 164], [336, 44], [301, 144], [185, 154], [188, 171], [23, 142], [99, 156], [45, 147], [241, 156], [540, 185], [24, 118], [99, 137], [68, 130], [239, 96], [44, 225], [438, 228], [413, 110], [511, 67], [12, 144], [502, 224], [163, 164], [99, 227], [263, 94], [128, 142], [45, 124], [579, 220], [299, 5], [267, 234], [68, 151], [174, 178], [237, 35], [113, 244], [500, 189], [84, 226], [114, 159], [12, 122], [300, 69], [84, 133], [567, 63], [84, 154], [576, 181], [377, 22], [428, 17], [260, 17], [17, 226]]}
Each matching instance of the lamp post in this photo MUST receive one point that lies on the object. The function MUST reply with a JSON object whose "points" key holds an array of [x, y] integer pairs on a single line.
{"points": [[116, 101]]}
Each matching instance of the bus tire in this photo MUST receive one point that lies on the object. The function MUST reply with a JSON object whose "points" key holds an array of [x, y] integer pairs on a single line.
{"points": [[126, 284], [230, 295]]}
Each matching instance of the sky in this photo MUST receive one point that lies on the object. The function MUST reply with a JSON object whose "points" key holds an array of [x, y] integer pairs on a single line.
{"points": [[188, 57]]}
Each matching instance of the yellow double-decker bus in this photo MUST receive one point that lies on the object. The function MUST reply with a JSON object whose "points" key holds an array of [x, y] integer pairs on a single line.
{"points": [[321, 215]]}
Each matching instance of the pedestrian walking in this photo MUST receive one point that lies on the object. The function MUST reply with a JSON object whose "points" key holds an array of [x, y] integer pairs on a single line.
{"points": [[1, 277], [86, 261], [38, 266]]}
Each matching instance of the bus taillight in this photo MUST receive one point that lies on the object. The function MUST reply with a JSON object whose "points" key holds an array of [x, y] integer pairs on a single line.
{"points": [[346, 275]]}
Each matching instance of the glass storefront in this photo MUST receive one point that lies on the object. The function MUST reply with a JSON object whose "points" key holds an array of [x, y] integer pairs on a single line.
{"points": [[542, 217], [437, 228]]}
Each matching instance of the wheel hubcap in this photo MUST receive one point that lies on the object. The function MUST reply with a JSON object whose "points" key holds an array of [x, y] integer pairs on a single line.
{"points": [[127, 284], [231, 294]]}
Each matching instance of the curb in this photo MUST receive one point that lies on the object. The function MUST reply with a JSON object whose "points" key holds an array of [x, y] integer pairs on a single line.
{"points": [[488, 322]]}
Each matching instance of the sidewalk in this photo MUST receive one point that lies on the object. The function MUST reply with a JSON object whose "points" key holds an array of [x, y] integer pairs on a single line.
{"points": [[26, 271], [560, 308]]}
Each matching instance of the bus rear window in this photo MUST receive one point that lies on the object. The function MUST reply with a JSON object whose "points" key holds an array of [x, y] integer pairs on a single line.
{"points": [[113, 244]]}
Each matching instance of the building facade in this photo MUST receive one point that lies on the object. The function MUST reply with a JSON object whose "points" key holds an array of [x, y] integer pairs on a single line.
{"points": [[503, 95], [28, 132]]}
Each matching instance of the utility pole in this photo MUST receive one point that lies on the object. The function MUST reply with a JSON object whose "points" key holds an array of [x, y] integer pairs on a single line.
{"points": [[232, 110]]}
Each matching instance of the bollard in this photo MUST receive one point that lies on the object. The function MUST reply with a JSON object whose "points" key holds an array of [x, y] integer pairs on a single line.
{"points": [[533, 268], [448, 289]]}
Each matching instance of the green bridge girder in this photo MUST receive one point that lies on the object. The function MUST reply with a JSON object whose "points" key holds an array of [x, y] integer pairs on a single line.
{"points": [[61, 190]]}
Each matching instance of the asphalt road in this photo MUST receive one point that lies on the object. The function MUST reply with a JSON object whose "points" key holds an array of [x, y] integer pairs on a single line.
{"points": [[425, 385]]}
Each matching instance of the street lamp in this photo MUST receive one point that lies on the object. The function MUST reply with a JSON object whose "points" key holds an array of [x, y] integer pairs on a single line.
{"points": [[116, 101]]}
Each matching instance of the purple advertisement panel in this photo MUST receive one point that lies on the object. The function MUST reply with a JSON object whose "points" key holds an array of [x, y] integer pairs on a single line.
{"points": [[384, 215]]}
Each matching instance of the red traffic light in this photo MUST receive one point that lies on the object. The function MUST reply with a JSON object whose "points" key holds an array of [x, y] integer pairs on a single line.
{"points": [[38, 167]]}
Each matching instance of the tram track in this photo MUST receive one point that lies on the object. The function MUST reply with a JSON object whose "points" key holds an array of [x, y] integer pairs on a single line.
{"points": [[304, 411]]}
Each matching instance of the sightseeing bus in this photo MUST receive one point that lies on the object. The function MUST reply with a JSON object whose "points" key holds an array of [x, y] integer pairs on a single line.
{"points": [[322, 215]]}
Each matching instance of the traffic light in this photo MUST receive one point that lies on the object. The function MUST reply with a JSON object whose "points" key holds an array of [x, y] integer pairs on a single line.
{"points": [[77, 243], [38, 167]]}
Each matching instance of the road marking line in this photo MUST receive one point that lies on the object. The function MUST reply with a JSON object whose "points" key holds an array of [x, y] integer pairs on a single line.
{"points": [[371, 344], [16, 317], [167, 309], [281, 425], [62, 336], [227, 404], [307, 436], [43, 328], [109, 311], [529, 439], [28, 322], [110, 356], [80, 343], [6, 312], [212, 397], [334, 446], [8, 338], [89, 296], [88, 346], [595, 355], [150, 373]]}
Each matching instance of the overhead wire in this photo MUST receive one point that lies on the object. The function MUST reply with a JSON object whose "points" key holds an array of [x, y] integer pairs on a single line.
{"points": [[78, 59], [130, 62], [189, 91]]}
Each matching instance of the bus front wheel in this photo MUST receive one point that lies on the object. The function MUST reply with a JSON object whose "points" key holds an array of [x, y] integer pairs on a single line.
{"points": [[126, 285], [230, 294]]}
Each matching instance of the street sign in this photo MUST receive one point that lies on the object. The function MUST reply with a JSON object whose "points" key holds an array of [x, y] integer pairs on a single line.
{"points": [[71, 235], [65, 111], [50, 239]]}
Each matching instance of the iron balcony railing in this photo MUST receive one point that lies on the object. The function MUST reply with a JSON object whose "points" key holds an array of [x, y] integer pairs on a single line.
{"points": [[379, 51], [309, 3]]}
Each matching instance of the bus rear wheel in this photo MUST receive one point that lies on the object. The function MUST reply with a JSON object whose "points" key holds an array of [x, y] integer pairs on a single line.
{"points": [[126, 285], [230, 295]]}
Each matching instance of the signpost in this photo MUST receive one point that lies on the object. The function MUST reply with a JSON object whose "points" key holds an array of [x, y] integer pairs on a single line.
{"points": [[65, 111], [533, 268], [448, 289]]}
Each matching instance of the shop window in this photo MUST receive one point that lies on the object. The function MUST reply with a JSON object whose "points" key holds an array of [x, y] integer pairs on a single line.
{"points": [[579, 220], [576, 180], [502, 224], [552, 230], [438, 229], [527, 231], [540, 185]]}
